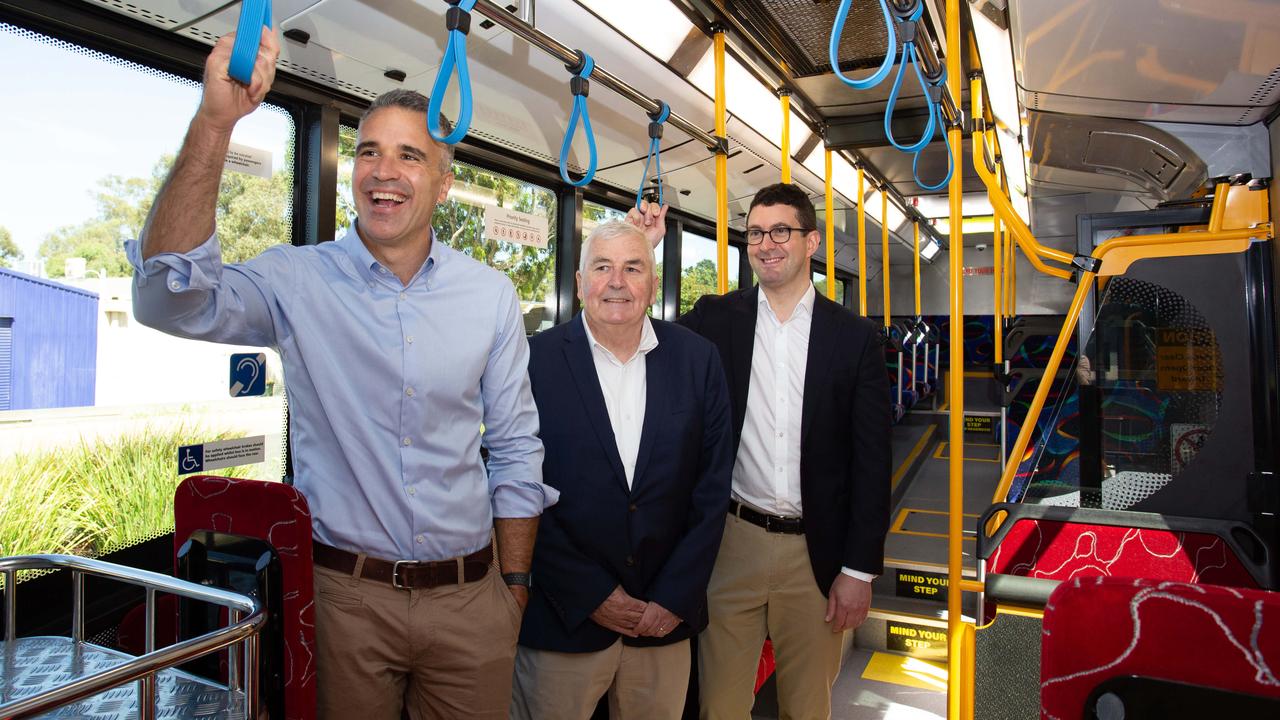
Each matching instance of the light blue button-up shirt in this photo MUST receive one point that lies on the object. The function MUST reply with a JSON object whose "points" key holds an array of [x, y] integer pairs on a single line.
{"points": [[388, 384]]}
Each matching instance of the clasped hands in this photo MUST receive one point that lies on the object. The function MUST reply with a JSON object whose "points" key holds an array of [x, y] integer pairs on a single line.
{"points": [[632, 617]]}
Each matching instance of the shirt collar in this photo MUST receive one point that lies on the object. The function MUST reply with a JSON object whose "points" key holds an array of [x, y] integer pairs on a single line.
{"points": [[370, 268], [648, 339], [804, 308]]}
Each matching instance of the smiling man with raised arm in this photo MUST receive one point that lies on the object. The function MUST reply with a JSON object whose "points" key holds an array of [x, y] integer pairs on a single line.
{"points": [[396, 350]]}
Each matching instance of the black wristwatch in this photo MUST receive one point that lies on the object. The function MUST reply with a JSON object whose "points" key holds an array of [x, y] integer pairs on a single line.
{"points": [[524, 579]]}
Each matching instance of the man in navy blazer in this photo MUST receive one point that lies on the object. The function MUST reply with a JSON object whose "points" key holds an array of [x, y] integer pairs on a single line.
{"points": [[637, 427]]}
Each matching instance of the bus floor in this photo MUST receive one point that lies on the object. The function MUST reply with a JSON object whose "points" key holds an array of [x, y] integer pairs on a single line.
{"points": [[895, 667]]}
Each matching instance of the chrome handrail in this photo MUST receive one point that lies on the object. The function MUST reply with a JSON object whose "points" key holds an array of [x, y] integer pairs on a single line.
{"points": [[144, 667]]}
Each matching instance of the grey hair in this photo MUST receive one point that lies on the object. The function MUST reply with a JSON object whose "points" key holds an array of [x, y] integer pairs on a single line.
{"points": [[413, 101], [608, 231]]}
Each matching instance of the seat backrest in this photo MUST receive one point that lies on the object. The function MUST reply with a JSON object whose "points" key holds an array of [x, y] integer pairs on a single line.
{"points": [[1144, 640], [277, 514]]}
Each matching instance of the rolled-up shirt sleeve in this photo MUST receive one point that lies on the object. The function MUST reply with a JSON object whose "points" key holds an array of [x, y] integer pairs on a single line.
{"points": [[194, 295], [511, 420]]}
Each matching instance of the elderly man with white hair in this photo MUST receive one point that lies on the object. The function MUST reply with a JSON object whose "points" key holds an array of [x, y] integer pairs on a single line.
{"points": [[634, 416]]}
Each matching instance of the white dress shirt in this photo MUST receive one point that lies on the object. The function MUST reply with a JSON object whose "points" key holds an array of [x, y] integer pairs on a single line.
{"points": [[766, 473], [624, 386]]}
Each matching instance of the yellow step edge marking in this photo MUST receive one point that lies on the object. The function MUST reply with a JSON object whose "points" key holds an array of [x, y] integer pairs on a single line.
{"points": [[904, 670], [984, 374], [911, 456]]}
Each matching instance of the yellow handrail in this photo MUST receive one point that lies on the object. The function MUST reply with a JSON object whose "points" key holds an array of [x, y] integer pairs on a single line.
{"points": [[1000, 202], [884, 251], [955, 391], [830, 217], [862, 244], [785, 97], [722, 173]]}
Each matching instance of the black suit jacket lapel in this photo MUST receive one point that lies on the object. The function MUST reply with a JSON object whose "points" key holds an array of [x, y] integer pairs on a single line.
{"points": [[577, 353], [657, 409], [742, 334], [817, 372]]}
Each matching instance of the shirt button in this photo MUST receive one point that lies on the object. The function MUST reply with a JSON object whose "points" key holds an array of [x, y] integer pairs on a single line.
{"points": [[420, 539], [175, 285], [413, 491], [403, 296], [781, 434], [779, 468], [407, 441], [408, 391], [409, 339]]}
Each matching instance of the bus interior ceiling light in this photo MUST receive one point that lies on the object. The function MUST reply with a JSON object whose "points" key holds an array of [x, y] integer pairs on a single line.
{"points": [[748, 99], [655, 25], [458, 22], [580, 86]]}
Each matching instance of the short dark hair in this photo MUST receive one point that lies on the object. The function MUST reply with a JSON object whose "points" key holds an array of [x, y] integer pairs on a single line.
{"points": [[788, 194], [413, 101]]}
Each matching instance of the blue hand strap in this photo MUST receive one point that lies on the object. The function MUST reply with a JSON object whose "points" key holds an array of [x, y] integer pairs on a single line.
{"points": [[254, 15], [950, 164], [910, 58], [580, 87], [458, 22], [833, 48], [655, 151]]}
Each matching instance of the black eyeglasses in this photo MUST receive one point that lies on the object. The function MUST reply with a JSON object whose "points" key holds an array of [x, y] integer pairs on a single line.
{"points": [[779, 234]]}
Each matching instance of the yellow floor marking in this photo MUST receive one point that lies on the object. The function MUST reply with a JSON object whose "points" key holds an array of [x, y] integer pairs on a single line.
{"points": [[904, 670], [942, 446], [985, 374], [911, 456], [901, 520]]}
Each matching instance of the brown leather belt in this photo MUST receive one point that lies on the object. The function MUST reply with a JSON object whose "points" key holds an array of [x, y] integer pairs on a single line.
{"points": [[406, 574], [771, 523]]}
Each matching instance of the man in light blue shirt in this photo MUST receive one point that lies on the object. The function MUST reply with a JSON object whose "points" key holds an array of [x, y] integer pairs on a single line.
{"points": [[396, 350]]}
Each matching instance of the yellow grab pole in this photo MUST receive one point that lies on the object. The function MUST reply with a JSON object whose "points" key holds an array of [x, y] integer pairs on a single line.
{"points": [[722, 172], [862, 245], [830, 217], [955, 392], [785, 96], [997, 312], [1013, 279], [915, 226], [884, 250]]}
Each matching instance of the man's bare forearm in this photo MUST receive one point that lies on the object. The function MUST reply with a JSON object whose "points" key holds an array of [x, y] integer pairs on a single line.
{"points": [[183, 214], [515, 543]]}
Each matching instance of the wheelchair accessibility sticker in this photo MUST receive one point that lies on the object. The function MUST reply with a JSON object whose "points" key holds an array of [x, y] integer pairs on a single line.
{"points": [[248, 374], [221, 454]]}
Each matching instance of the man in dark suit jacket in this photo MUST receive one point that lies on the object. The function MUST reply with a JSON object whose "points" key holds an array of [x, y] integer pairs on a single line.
{"points": [[635, 421], [810, 509]]}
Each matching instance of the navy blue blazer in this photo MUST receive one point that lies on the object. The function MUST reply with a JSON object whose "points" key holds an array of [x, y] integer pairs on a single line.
{"points": [[658, 539]]}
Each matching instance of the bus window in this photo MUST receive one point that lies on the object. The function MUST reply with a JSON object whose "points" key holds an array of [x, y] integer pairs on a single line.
{"points": [[594, 214], [698, 268], [96, 406], [820, 285], [507, 224], [346, 205]]}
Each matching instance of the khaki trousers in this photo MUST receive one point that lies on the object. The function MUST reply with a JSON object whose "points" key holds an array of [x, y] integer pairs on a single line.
{"points": [[646, 683], [762, 586], [442, 653]]}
